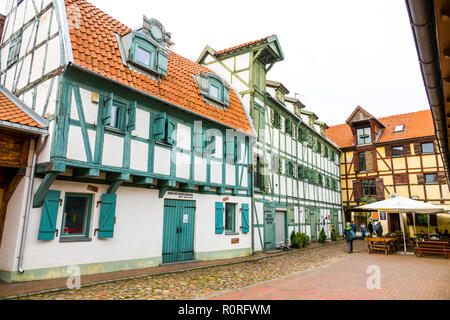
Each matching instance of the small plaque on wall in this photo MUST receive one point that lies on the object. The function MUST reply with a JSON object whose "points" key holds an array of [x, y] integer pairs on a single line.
{"points": [[92, 188], [382, 215], [235, 241]]}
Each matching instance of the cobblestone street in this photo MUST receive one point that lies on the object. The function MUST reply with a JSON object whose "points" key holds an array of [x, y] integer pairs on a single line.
{"points": [[197, 284]]}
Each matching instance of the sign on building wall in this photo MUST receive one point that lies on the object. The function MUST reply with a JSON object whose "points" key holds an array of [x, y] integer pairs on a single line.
{"points": [[180, 195]]}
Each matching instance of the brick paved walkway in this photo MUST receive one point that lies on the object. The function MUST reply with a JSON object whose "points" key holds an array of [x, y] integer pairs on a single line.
{"points": [[402, 278]]}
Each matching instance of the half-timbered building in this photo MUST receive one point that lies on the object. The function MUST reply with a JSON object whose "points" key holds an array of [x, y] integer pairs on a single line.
{"points": [[296, 168], [396, 154], [147, 158]]}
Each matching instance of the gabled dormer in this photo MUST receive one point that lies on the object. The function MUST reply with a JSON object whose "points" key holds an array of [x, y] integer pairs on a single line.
{"points": [[365, 127], [277, 90], [322, 126], [311, 116], [297, 105], [145, 50]]}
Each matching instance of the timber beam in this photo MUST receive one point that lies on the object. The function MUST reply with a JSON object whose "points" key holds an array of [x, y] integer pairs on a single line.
{"points": [[188, 187], [41, 193], [56, 166], [164, 186], [221, 190], [116, 180], [142, 181], [86, 173], [205, 188]]}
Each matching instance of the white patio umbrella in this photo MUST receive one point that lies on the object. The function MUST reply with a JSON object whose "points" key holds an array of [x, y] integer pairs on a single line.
{"points": [[404, 205]]}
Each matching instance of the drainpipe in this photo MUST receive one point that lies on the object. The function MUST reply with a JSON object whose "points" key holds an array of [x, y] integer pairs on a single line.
{"points": [[37, 150]]}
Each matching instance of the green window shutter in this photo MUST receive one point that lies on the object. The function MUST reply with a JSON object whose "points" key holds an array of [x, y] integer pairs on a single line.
{"points": [[107, 110], [170, 130], [226, 95], [49, 214], [163, 60], [300, 172], [219, 217], [132, 116], [272, 116], [245, 218], [159, 132], [265, 177], [107, 216]]}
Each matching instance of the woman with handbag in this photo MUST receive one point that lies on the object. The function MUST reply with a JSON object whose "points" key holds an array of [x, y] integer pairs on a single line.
{"points": [[349, 235]]}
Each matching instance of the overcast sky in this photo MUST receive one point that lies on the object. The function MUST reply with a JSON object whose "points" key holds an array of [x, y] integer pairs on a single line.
{"points": [[338, 54]]}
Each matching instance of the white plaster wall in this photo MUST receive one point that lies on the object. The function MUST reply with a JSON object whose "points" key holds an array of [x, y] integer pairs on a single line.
{"points": [[162, 160], [75, 145], [183, 137], [216, 171], [112, 150], [183, 165], [242, 61], [90, 109], [199, 169], [53, 56], [230, 174], [139, 156]]}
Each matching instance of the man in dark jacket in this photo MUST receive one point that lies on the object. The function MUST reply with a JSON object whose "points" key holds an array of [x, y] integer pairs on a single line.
{"points": [[370, 227], [348, 236], [379, 229]]}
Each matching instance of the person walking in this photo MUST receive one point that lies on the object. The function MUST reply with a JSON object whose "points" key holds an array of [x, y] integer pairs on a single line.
{"points": [[354, 227], [379, 229], [363, 230], [349, 237], [370, 227]]}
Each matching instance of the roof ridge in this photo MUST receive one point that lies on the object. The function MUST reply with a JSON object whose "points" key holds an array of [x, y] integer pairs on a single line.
{"points": [[239, 46]]}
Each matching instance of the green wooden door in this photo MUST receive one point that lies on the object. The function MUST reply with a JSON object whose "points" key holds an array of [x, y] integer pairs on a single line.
{"points": [[178, 231], [335, 220], [269, 228]]}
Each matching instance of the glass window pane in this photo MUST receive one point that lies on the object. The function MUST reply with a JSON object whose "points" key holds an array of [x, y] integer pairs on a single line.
{"points": [[143, 56], [229, 217], [431, 178], [115, 116], [428, 147], [362, 161], [363, 136], [75, 215], [214, 91], [397, 151]]}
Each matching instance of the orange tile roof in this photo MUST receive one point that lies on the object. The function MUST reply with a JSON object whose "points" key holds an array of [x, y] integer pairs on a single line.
{"points": [[417, 124], [95, 48], [241, 46], [10, 112]]}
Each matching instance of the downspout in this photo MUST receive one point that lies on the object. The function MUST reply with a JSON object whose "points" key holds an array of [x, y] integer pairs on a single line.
{"points": [[37, 150]]}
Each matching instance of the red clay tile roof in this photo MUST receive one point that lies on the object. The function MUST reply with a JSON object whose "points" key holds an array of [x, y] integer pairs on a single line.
{"points": [[9, 112], [241, 46], [417, 124], [95, 48]]}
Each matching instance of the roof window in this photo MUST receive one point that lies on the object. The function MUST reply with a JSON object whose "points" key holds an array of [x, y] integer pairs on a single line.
{"points": [[400, 128], [214, 88]]}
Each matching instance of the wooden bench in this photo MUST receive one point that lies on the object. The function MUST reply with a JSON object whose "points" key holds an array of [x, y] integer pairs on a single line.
{"points": [[380, 244], [432, 247]]}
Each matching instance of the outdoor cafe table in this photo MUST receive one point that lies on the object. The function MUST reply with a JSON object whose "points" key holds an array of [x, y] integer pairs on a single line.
{"points": [[381, 244]]}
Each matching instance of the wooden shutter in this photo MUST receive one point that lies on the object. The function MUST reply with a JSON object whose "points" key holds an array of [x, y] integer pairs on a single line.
{"points": [[356, 162], [107, 109], [159, 131], [409, 219], [47, 228], [380, 189], [442, 178], [219, 218], [163, 60], [421, 178], [417, 148], [272, 116], [388, 151], [407, 149], [107, 216], [131, 126], [226, 95], [198, 140], [245, 218], [370, 161], [357, 190], [170, 131]]}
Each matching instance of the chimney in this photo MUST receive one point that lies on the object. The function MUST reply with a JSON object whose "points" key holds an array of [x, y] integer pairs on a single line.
{"points": [[2, 23]]}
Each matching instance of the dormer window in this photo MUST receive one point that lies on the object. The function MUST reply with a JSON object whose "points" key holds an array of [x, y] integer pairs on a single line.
{"points": [[400, 128], [147, 55], [214, 88], [364, 136]]}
